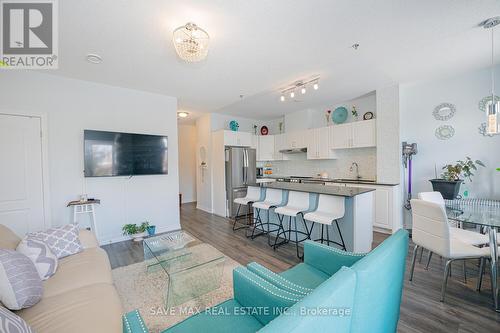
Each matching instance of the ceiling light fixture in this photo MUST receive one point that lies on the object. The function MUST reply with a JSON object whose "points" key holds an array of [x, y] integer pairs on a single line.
{"points": [[191, 42], [299, 86], [94, 58], [493, 108], [182, 114]]}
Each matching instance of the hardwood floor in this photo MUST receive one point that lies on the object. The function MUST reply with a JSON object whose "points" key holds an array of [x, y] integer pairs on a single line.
{"points": [[463, 311]]}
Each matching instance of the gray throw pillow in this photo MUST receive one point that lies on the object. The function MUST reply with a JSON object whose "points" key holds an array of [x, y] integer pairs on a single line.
{"points": [[11, 323], [20, 285], [63, 241], [40, 254]]}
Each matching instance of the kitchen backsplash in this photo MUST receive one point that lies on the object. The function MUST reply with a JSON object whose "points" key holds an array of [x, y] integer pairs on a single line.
{"points": [[298, 165]]}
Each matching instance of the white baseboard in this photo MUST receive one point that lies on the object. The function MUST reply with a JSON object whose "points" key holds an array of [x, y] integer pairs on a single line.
{"points": [[205, 209]]}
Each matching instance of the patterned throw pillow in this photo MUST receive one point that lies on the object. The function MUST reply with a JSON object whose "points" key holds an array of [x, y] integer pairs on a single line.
{"points": [[63, 241], [40, 254], [11, 323], [20, 285]]}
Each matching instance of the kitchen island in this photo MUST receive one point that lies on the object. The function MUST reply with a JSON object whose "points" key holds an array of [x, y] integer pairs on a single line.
{"points": [[356, 225]]}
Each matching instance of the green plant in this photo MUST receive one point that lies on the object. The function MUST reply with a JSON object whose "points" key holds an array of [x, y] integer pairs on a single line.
{"points": [[132, 229], [498, 169], [462, 169]]}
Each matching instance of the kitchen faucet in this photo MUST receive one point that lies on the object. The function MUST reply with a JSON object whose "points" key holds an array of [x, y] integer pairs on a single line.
{"points": [[354, 164]]}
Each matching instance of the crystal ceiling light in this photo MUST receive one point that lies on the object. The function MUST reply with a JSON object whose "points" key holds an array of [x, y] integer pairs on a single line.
{"points": [[191, 42], [493, 108]]}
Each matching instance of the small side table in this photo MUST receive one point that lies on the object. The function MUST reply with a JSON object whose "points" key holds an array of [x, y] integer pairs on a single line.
{"points": [[85, 207]]}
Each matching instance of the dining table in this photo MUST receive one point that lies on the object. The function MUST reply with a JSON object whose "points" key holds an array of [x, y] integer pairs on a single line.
{"points": [[485, 215]]}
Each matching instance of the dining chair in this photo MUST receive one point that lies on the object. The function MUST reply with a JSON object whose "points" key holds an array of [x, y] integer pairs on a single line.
{"points": [[431, 231]]}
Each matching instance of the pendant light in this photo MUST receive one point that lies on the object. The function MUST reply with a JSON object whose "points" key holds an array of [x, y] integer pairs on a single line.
{"points": [[493, 108]]}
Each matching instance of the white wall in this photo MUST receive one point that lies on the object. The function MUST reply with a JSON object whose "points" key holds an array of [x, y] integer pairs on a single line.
{"points": [[72, 106], [187, 162], [417, 102]]}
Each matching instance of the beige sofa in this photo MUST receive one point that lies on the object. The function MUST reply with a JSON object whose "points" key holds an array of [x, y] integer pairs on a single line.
{"points": [[80, 297]]}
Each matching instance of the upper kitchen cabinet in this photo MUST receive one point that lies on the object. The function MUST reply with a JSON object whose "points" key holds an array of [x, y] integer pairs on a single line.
{"points": [[296, 139], [266, 151], [364, 134], [318, 146], [237, 139], [279, 144], [353, 135]]}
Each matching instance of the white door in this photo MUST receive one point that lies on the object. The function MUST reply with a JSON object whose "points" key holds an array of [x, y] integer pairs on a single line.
{"points": [[21, 185], [364, 133]]}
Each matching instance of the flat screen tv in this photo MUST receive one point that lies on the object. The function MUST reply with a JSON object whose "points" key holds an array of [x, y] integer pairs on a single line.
{"points": [[109, 154]]}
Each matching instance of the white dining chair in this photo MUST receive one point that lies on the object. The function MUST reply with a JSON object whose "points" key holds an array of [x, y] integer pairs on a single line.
{"points": [[431, 231], [330, 209], [466, 236]]}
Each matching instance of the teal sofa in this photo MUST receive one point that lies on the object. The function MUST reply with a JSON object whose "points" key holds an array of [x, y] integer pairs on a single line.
{"points": [[331, 291]]}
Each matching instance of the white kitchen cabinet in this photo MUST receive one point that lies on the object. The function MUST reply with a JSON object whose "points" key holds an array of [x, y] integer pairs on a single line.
{"points": [[353, 135], [255, 142], [340, 136], [279, 144], [296, 139], [364, 134], [386, 203], [266, 148], [237, 139], [318, 146]]}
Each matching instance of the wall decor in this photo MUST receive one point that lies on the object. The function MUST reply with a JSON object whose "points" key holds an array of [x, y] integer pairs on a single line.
{"points": [[483, 104], [354, 112], [444, 111], [339, 115], [234, 126], [368, 115], [444, 132], [328, 116], [264, 130]]}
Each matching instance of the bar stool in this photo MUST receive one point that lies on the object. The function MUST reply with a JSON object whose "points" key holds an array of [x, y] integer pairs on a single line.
{"points": [[330, 209], [273, 199], [253, 195], [298, 203]]}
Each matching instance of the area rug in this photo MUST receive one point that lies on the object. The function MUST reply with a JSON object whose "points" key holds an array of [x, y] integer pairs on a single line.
{"points": [[145, 291]]}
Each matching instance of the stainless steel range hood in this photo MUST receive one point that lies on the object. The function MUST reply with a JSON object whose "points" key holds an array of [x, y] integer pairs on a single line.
{"points": [[294, 151]]}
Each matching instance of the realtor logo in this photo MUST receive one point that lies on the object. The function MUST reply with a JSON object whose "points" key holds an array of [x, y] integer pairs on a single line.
{"points": [[29, 34]]}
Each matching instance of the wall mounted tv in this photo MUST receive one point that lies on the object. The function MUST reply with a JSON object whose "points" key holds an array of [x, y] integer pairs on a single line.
{"points": [[109, 154]]}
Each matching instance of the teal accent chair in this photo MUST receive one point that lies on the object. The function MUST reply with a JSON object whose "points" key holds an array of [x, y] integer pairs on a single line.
{"points": [[332, 291]]}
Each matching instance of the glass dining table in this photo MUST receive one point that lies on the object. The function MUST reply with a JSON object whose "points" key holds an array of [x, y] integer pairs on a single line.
{"points": [[484, 214]]}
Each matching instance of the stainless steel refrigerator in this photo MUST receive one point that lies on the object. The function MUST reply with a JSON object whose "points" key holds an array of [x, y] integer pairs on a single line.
{"points": [[241, 168]]}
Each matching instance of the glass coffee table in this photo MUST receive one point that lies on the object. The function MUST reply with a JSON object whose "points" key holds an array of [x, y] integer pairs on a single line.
{"points": [[193, 268]]}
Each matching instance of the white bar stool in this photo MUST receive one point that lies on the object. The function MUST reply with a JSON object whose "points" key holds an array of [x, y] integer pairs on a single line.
{"points": [[253, 195], [273, 199], [330, 209], [298, 203]]}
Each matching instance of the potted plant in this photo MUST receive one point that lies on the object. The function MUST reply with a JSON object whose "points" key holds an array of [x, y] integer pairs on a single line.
{"points": [[136, 232], [453, 176], [151, 229]]}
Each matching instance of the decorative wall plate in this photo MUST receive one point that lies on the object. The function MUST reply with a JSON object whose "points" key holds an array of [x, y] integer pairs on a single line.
{"points": [[444, 111], [234, 126], [485, 101], [445, 132], [264, 130], [339, 115]]}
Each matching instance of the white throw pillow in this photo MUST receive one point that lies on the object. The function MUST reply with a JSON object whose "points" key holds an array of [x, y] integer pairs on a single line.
{"points": [[40, 254], [20, 285], [63, 241]]}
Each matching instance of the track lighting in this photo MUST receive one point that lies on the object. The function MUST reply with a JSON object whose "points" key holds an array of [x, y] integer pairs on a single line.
{"points": [[299, 86]]}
